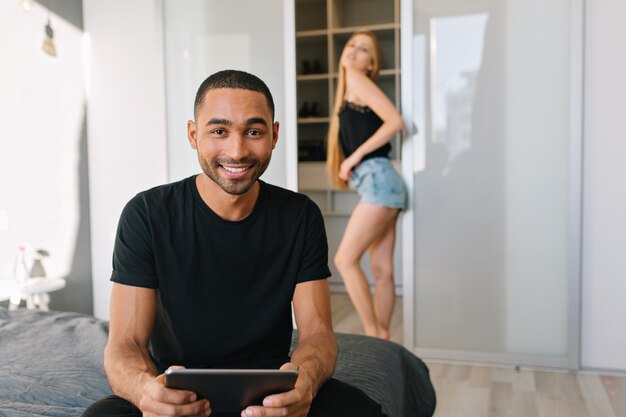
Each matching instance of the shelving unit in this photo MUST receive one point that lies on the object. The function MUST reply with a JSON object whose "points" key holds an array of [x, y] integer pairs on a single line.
{"points": [[322, 29]]}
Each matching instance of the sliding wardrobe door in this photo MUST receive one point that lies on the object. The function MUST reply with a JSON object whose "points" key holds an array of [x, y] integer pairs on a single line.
{"points": [[496, 173]]}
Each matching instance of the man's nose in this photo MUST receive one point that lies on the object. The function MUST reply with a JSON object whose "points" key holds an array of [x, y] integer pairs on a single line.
{"points": [[236, 147]]}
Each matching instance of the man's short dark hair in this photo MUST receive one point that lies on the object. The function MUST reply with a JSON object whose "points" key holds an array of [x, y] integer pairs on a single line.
{"points": [[233, 79]]}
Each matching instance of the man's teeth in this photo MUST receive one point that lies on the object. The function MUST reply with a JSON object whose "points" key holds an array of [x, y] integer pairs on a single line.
{"points": [[234, 170]]}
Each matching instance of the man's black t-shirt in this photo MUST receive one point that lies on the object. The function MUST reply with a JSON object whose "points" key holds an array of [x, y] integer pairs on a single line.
{"points": [[224, 288]]}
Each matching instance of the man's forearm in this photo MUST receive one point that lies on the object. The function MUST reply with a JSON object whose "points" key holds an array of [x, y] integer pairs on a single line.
{"points": [[128, 369], [316, 355]]}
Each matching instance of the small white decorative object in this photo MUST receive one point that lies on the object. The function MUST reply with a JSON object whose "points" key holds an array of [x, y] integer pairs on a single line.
{"points": [[37, 269]]}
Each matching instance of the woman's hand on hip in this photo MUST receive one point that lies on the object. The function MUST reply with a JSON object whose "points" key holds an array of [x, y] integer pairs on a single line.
{"points": [[345, 170]]}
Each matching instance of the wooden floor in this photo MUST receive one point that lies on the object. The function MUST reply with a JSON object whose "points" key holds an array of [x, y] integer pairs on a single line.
{"points": [[489, 391]]}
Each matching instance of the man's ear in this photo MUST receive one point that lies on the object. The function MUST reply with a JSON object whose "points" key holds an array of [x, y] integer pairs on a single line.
{"points": [[192, 134], [275, 129]]}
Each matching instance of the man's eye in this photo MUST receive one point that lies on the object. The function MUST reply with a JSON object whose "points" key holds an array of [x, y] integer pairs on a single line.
{"points": [[254, 132], [218, 131]]}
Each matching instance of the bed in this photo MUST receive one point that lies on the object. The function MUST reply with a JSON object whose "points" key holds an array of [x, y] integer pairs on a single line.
{"points": [[51, 365]]}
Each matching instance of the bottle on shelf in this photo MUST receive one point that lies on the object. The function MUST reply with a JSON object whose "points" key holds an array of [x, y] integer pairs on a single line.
{"points": [[20, 271], [37, 270]]}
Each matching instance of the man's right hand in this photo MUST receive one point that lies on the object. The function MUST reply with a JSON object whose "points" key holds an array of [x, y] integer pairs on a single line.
{"points": [[158, 400]]}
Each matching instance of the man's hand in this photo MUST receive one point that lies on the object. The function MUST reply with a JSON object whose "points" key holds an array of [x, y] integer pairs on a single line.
{"points": [[158, 400], [294, 403], [314, 357]]}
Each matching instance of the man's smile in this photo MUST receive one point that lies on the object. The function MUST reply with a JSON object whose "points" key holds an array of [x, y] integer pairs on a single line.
{"points": [[234, 170]]}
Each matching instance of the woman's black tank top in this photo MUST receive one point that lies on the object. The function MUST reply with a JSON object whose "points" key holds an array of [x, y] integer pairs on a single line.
{"points": [[356, 125]]}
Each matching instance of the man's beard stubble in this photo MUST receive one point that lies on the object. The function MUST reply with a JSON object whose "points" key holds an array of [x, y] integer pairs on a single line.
{"points": [[234, 186]]}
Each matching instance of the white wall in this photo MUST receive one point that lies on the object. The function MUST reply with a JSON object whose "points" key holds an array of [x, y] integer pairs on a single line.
{"points": [[604, 218], [43, 182], [126, 119]]}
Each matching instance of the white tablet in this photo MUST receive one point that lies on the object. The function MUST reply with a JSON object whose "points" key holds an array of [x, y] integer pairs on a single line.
{"points": [[231, 390]]}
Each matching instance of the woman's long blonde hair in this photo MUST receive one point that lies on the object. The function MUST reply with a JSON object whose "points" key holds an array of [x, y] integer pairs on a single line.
{"points": [[334, 154]]}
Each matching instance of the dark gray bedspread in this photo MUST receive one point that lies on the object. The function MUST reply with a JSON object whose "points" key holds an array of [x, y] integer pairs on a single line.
{"points": [[51, 365]]}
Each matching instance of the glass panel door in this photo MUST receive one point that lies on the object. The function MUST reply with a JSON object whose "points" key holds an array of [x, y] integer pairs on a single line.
{"points": [[496, 180]]}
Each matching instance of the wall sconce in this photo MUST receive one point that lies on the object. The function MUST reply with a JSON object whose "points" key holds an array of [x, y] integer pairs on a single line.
{"points": [[26, 5], [48, 42]]}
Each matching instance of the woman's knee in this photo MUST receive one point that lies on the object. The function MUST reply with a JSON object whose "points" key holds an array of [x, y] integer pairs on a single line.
{"points": [[382, 271], [344, 260]]}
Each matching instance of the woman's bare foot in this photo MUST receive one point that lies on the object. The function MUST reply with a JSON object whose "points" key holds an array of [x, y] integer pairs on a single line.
{"points": [[384, 334], [378, 332]]}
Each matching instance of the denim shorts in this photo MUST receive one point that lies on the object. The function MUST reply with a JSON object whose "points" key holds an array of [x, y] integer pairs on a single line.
{"points": [[378, 183]]}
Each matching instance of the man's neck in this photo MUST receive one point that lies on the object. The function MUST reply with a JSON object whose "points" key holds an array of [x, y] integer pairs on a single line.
{"points": [[227, 206]]}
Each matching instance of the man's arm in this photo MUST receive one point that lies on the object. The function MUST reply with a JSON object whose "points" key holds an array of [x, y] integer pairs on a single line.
{"points": [[126, 359], [127, 362], [316, 352], [314, 357]]}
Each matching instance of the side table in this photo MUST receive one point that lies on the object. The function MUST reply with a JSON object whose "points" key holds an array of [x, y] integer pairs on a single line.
{"points": [[34, 291]]}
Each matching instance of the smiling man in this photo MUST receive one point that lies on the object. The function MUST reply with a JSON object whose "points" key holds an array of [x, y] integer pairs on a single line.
{"points": [[205, 271], [233, 151]]}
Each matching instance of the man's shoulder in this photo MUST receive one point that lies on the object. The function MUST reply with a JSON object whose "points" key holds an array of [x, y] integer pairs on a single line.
{"points": [[162, 198], [290, 206], [279, 195], [165, 191]]}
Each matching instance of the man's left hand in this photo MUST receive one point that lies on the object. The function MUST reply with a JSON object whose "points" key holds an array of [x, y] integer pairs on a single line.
{"points": [[294, 403]]}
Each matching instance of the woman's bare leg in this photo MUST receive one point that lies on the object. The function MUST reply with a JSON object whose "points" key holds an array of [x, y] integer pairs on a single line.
{"points": [[381, 261], [366, 225]]}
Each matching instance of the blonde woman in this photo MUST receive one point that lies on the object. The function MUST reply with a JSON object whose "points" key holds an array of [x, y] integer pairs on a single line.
{"points": [[363, 123]]}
